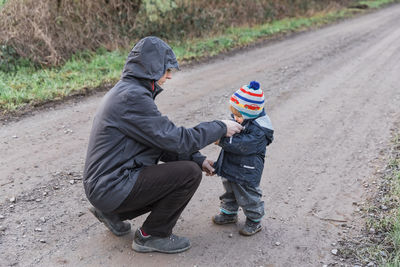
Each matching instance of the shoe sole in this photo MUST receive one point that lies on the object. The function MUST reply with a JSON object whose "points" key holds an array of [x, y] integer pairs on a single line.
{"points": [[101, 219], [249, 234], [143, 249], [222, 223]]}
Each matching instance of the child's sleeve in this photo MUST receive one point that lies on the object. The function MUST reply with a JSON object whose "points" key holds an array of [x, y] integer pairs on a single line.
{"points": [[245, 143]]}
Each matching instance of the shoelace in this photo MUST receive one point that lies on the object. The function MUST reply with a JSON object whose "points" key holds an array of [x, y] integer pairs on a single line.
{"points": [[172, 237]]}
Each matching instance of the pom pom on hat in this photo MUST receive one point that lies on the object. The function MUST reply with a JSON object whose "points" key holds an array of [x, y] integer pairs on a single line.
{"points": [[255, 85], [248, 100]]}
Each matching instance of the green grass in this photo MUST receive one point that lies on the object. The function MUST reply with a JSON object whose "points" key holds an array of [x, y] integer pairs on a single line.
{"points": [[2, 2], [393, 236], [28, 86], [382, 245], [376, 4], [387, 223], [243, 36]]}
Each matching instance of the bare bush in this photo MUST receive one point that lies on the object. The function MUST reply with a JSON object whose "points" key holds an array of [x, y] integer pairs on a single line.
{"points": [[190, 18], [50, 31]]}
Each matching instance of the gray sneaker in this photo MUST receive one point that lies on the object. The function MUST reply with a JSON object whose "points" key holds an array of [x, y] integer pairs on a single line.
{"points": [[112, 222], [224, 218], [250, 228], [171, 244]]}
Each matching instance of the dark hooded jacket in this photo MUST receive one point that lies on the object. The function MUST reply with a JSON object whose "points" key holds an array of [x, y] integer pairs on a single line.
{"points": [[129, 132], [241, 159]]}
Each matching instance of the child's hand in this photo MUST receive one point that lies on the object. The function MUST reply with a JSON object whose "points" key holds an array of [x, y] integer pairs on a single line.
{"points": [[216, 142], [207, 167]]}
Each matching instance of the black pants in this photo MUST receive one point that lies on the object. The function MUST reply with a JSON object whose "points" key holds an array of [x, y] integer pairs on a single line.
{"points": [[164, 190]]}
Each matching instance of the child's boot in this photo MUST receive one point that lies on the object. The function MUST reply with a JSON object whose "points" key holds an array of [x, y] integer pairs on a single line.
{"points": [[250, 228], [224, 218]]}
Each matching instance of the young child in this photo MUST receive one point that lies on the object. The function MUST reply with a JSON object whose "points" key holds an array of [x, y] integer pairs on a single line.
{"points": [[241, 160]]}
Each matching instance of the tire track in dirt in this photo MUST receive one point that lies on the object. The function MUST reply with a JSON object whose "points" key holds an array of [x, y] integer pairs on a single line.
{"points": [[333, 96]]}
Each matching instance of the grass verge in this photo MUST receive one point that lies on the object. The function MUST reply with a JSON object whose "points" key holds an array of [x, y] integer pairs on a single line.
{"points": [[379, 244], [87, 71], [376, 4]]}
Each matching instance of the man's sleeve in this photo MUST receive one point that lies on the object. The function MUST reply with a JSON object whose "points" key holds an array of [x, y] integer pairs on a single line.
{"points": [[141, 120], [196, 157]]}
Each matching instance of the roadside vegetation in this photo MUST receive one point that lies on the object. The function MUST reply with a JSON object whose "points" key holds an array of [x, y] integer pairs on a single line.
{"points": [[376, 4], [379, 244], [37, 67]]}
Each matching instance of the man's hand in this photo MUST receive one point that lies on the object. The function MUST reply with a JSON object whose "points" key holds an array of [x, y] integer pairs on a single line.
{"points": [[232, 127], [207, 167]]}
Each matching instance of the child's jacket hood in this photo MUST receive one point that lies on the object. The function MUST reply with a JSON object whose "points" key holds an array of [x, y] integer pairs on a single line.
{"points": [[264, 123], [149, 59]]}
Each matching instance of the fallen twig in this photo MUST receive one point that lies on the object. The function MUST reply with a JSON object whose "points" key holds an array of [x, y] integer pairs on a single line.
{"points": [[328, 219], [7, 183]]}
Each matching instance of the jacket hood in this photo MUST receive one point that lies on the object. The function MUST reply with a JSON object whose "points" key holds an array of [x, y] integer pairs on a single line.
{"points": [[149, 59], [264, 123]]}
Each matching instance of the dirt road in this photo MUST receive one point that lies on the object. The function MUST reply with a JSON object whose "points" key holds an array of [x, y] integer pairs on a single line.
{"points": [[333, 96]]}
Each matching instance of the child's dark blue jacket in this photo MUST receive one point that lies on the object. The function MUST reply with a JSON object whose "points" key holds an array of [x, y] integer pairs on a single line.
{"points": [[242, 156]]}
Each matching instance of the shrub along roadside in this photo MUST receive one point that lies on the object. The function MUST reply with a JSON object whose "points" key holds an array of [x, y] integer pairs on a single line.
{"points": [[376, 4], [48, 32], [88, 71]]}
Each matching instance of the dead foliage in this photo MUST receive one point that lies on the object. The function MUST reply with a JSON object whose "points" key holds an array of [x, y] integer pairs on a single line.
{"points": [[50, 31]]}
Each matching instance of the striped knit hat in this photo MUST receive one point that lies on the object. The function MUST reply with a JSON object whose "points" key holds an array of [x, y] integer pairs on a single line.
{"points": [[248, 100]]}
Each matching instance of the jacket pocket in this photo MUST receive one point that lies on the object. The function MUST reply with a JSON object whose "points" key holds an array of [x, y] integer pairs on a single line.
{"points": [[248, 167]]}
